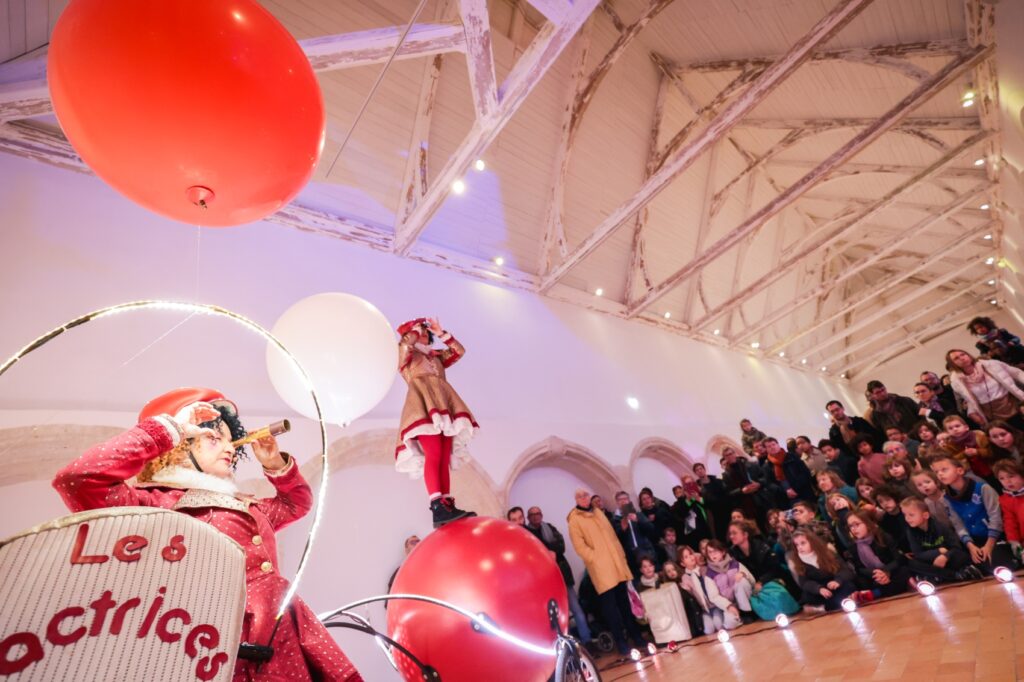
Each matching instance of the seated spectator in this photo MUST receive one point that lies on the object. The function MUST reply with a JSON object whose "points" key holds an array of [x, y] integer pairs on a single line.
{"points": [[690, 516], [1011, 476], [552, 539], [866, 497], [717, 612], [824, 579], [975, 512], [789, 472], [748, 434], [871, 464], [888, 409], [656, 511], [667, 546], [738, 516], [928, 434], [635, 532], [989, 388], [995, 342], [929, 407], [663, 606], [769, 597], [672, 572], [846, 428], [970, 447], [897, 475], [935, 552], [1006, 442], [516, 516], [805, 516], [892, 521], [839, 461], [876, 557], [830, 482], [929, 489], [733, 579], [813, 457], [839, 507], [895, 434]]}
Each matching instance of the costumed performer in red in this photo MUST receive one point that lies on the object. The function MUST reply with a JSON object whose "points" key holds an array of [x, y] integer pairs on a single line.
{"points": [[182, 456], [436, 424]]}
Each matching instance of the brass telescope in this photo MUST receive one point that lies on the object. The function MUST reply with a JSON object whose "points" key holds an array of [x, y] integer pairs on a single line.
{"points": [[275, 429]]}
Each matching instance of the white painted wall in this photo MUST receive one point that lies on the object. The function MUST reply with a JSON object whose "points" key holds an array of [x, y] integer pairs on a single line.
{"points": [[534, 367]]}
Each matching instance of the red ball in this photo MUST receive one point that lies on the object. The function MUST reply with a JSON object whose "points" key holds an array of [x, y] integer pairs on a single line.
{"points": [[181, 101], [488, 566]]}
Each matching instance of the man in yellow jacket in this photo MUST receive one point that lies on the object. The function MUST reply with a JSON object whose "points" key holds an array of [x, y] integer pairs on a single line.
{"points": [[596, 543]]}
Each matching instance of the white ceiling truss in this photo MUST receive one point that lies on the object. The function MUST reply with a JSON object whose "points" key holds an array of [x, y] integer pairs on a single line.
{"points": [[818, 233]]}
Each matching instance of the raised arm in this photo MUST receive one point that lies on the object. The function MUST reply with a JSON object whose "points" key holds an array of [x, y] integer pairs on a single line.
{"points": [[294, 497]]}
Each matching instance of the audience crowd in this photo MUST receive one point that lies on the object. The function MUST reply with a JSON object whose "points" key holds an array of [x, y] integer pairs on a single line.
{"points": [[929, 488]]}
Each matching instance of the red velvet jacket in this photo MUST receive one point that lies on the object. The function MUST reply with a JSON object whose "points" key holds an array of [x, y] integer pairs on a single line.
{"points": [[304, 650], [1013, 516]]}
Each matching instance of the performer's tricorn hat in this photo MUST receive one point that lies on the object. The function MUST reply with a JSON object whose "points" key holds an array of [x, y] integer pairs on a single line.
{"points": [[411, 326]]}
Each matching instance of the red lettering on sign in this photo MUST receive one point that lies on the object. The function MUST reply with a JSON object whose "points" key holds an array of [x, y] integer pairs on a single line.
{"points": [[208, 671], [151, 614], [100, 607], [33, 652], [166, 635], [53, 633], [76, 552], [175, 549], [122, 610], [129, 548], [205, 635]]}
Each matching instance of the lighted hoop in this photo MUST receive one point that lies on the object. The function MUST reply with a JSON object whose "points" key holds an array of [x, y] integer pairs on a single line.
{"points": [[247, 324]]}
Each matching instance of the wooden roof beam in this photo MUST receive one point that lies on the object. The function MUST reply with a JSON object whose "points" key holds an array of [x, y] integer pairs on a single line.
{"points": [[684, 157], [966, 123], [949, 73], [479, 56], [527, 72], [853, 168]]}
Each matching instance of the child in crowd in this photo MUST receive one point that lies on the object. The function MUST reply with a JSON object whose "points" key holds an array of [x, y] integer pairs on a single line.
{"points": [[672, 572], [824, 578], [667, 546], [1011, 477], [838, 461], [871, 464], [897, 475], [936, 553], [805, 515], [970, 447], [929, 489], [876, 557], [734, 581], [663, 605], [1006, 441], [839, 507], [718, 613], [892, 521], [648, 579], [928, 433], [866, 496], [830, 482], [975, 513]]}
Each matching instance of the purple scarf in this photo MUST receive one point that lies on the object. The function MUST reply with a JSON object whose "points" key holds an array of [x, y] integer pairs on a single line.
{"points": [[867, 555], [967, 440], [724, 575]]}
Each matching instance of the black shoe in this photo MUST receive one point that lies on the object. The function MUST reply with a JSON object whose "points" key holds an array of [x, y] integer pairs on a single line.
{"points": [[748, 617], [449, 503], [444, 514], [969, 573]]}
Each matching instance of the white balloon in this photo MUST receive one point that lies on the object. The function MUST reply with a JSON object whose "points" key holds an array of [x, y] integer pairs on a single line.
{"points": [[347, 348]]}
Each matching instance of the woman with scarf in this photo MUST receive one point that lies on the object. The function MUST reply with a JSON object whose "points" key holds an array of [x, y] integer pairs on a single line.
{"points": [[734, 580], [181, 456], [989, 388], [876, 558], [436, 424], [971, 447]]}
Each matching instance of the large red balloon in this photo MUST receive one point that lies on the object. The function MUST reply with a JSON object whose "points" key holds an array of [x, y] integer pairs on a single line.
{"points": [[181, 102], [487, 566]]}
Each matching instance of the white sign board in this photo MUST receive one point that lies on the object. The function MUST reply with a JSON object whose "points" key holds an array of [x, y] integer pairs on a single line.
{"points": [[120, 594]]}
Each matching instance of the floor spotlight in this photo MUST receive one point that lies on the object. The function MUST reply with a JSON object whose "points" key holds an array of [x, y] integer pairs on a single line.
{"points": [[672, 647], [925, 588], [635, 654], [652, 648], [782, 620], [849, 605], [723, 636], [1003, 574]]}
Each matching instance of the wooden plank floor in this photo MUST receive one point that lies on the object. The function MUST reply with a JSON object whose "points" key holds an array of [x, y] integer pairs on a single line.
{"points": [[972, 633]]}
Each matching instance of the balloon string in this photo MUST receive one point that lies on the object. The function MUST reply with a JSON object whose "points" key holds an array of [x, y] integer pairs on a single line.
{"points": [[376, 84]]}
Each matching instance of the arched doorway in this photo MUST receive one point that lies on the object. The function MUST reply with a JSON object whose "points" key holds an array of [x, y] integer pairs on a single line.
{"points": [[713, 451], [658, 463]]}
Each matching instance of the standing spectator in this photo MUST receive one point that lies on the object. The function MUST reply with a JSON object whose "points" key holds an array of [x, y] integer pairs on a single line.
{"points": [[690, 515], [845, 429], [656, 511], [555, 543], [988, 388], [598, 504], [888, 409], [898, 435], [839, 461], [928, 405], [871, 464], [996, 343], [635, 532], [410, 544], [813, 457], [715, 500], [750, 434], [943, 392], [516, 516], [596, 543], [1006, 441], [743, 482], [790, 472]]}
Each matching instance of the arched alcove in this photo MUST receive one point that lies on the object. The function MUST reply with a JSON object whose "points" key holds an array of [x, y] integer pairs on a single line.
{"points": [[670, 463], [574, 458], [713, 450]]}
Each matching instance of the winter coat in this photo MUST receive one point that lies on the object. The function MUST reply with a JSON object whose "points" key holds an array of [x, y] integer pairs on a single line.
{"points": [[925, 543], [762, 562], [1006, 375], [557, 546], [596, 543], [904, 415], [815, 578], [859, 426], [1013, 516], [888, 554]]}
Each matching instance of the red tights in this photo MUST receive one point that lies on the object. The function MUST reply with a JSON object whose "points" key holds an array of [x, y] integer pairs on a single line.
{"points": [[438, 454]]}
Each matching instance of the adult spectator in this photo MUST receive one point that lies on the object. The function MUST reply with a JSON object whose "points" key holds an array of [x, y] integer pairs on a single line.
{"points": [[715, 499], [895, 434], [410, 544], [596, 543], [598, 503], [690, 516], [516, 515], [813, 457], [928, 405], [845, 428], [943, 393], [635, 531], [889, 409], [790, 472], [745, 485], [657, 512], [555, 543], [989, 388], [749, 434], [842, 463]]}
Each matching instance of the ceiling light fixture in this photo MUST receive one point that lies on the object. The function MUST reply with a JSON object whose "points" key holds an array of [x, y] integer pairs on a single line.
{"points": [[459, 186], [499, 260], [782, 353], [668, 315], [599, 292], [479, 164], [717, 332], [984, 207], [804, 361], [990, 260], [979, 162], [755, 345]]}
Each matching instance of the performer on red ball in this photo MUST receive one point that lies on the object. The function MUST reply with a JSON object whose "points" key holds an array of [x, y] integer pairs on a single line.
{"points": [[182, 458], [436, 424]]}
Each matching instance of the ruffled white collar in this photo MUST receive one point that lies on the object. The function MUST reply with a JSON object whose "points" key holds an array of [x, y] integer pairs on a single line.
{"points": [[183, 477]]}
